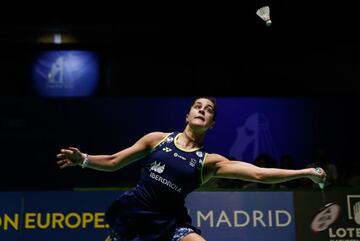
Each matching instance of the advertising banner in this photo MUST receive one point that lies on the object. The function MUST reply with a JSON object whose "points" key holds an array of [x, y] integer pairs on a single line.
{"points": [[243, 216], [80, 216], [56, 216], [347, 224]]}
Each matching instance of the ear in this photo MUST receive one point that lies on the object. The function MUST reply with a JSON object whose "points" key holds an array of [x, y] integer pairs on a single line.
{"points": [[187, 118]]}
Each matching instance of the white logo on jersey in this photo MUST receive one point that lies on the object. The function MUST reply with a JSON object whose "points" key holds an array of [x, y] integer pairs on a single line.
{"points": [[165, 182], [156, 167], [167, 149], [192, 162], [199, 154], [169, 139], [179, 156]]}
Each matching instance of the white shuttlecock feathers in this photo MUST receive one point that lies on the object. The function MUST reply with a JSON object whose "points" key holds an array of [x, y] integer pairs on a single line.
{"points": [[264, 14]]}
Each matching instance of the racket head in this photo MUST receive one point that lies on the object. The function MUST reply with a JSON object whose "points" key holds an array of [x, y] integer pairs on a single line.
{"points": [[325, 217]]}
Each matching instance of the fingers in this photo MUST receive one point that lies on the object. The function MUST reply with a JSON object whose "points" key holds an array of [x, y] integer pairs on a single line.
{"points": [[317, 175], [322, 176], [64, 163], [60, 156], [67, 157], [64, 152], [74, 149], [68, 151]]}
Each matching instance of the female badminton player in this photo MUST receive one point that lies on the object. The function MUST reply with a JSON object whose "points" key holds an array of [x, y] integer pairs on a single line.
{"points": [[176, 164]]}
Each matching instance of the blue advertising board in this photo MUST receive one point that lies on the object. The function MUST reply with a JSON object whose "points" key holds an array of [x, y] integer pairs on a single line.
{"points": [[243, 216], [80, 216]]}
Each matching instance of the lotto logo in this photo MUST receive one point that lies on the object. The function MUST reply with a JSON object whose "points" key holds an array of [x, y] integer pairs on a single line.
{"points": [[353, 206]]}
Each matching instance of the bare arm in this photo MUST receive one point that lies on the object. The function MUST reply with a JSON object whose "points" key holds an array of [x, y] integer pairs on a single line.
{"points": [[73, 156], [219, 166]]}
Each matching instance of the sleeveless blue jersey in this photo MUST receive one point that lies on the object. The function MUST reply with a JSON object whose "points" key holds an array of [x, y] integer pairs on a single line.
{"points": [[155, 207], [170, 173]]}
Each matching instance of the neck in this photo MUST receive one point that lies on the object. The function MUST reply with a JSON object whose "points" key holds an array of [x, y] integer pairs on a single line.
{"points": [[191, 139]]}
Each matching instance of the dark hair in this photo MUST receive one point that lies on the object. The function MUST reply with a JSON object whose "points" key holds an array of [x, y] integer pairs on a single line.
{"points": [[212, 99]]}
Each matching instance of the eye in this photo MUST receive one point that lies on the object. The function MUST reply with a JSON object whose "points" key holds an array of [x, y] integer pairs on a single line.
{"points": [[210, 110]]}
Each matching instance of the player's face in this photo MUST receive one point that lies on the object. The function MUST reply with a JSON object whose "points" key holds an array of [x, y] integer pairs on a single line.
{"points": [[201, 114]]}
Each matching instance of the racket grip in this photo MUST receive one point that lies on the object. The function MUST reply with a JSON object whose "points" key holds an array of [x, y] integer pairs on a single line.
{"points": [[321, 184]]}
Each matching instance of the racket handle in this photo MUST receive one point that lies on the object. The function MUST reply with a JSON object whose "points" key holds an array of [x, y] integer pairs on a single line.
{"points": [[321, 184]]}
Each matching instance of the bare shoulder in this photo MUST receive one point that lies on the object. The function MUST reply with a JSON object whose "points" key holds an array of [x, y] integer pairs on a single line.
{"points": [[211, 164], [213, 159], [153, 138]]}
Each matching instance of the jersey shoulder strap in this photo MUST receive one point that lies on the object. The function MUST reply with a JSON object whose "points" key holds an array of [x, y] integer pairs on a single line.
{"points": [[167, 139]]}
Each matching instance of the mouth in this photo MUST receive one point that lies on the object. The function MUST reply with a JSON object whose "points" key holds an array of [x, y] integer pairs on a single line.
{"points": [[200, 117]]}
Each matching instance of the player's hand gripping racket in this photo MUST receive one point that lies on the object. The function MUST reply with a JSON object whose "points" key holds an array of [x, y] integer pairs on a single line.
{"points": [[327, 214]]}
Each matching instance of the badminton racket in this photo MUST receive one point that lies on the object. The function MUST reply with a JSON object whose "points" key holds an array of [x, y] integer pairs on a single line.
{"points": [[328, 212]]}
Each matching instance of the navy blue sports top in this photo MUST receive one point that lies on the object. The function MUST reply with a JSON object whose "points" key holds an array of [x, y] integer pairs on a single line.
{"points": [[155, 207]]}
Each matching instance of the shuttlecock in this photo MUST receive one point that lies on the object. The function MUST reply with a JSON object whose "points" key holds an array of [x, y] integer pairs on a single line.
{"points": [[264, 14]]}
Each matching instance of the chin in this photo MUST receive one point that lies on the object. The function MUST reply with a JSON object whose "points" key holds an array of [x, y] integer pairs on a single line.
{"points": [[198, 126]]}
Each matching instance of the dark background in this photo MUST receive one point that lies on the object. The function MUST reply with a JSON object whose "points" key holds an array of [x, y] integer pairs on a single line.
{"points": [[310, 51]]}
